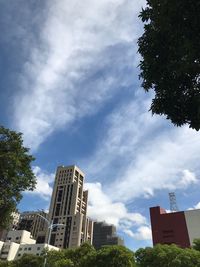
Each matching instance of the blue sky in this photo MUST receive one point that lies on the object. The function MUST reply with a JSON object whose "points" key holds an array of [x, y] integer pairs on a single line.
{"points": [[69, 83]]}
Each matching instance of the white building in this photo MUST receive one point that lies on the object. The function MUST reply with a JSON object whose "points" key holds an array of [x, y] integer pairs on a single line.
{"points": [[20, 242]]}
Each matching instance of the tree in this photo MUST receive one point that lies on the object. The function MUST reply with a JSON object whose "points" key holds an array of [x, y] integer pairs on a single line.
{"points": [[81, 256], [64, 263], [15, 172], [167, 256], [114, 256], [4, 264], [196, 244], [28, 260], [170, 61]]}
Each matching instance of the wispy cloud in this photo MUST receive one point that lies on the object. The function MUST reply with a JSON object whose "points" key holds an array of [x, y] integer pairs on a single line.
{"points": [[140, 154], [63, 79]]}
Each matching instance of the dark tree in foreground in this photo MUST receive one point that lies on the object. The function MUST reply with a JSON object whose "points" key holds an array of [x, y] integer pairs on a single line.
{"points": [[171, 59], [15, 172]]}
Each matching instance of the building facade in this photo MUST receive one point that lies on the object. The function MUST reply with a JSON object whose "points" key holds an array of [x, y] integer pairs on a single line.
{"points": [[105, 234], [32, 222], [20, 242], [13, 225], [69, 208], [179, 228]]}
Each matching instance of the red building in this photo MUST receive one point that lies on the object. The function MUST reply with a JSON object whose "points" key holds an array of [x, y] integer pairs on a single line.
{"points": [[179, 228]]}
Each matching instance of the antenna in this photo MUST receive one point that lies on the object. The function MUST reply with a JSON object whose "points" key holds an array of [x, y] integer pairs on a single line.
{"points": [[173, 204]]}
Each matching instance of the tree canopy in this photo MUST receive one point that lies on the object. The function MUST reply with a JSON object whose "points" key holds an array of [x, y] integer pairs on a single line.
{"points": [[16, 174], [113, 256], [170, 61], [167, 256]]}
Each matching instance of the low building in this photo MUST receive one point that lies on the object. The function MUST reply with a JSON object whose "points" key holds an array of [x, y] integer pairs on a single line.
{"points": [[105, 234], [20, 242], [35, 249], [180, 228], [9, 251], [20, 237]]}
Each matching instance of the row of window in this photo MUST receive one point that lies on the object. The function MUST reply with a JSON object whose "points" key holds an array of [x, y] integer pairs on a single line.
{"points": [[9, 238], [29, 248]]}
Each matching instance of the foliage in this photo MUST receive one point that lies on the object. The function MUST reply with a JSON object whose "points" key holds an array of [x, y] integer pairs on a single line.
{"points": [[5, 263], [64, 263], [170, 61], [114, 256], [167, 256], [196, 244], [87, 256], [79, 257], [28, 260], [15, 172]]}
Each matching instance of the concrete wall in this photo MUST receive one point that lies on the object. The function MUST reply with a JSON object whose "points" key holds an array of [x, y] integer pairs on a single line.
{"points": [[9, 251], [1, 245], [20, 236], [192, 218], [34, 249]]}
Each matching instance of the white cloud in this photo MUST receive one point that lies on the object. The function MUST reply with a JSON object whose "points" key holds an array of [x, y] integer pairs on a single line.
{"points": [[142, 233], [43, 187], [187, 179], [60, 82], [141, 154], [102, 208], [197, 206]]}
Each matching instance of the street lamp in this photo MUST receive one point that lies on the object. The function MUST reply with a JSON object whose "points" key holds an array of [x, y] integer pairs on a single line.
{"points": [[51, 225]]}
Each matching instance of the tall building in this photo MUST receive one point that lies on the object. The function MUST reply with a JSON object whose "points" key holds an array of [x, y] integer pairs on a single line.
{"points": [[32, 222], [180, 228], [69, 207], [105, 234]]}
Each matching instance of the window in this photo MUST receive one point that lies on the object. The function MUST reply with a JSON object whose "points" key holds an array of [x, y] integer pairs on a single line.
{"points": [[19, 255], [38, 248], [20, 249], [25, 249], [17, 238], [29, 248]]}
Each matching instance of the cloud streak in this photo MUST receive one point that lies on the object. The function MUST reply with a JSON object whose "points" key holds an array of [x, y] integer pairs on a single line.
{"points": [[63, 78]]}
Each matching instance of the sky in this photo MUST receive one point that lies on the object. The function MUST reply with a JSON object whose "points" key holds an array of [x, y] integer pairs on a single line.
{"points": [[70, 83]]}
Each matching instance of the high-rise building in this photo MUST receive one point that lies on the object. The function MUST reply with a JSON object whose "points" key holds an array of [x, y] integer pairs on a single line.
{"points": [[180, 228], [32, 222], [69, 208], [105, 234]]}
